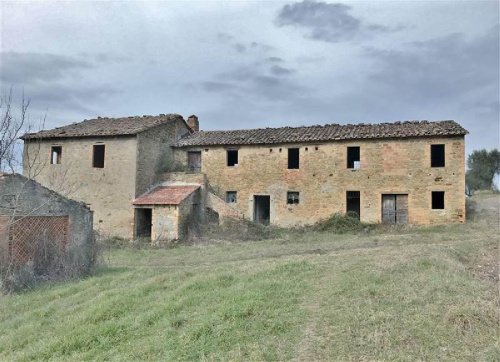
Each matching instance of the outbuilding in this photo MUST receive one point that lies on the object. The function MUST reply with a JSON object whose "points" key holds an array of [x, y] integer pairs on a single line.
{"points": [[32, 215]]}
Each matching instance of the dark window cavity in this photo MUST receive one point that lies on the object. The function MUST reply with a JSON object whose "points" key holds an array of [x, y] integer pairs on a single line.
{"points": [[437, 200], [55, 155], [292, 197], [231, 197], [293, 158], [98, 156], [437, 155], [353, 160], [232, 157]]}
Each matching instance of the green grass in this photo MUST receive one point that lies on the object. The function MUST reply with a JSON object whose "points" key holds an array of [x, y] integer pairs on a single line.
{"points": [[415, 294]]}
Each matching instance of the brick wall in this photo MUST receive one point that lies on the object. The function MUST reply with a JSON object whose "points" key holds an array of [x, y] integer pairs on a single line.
{"points": [[387, 166]]}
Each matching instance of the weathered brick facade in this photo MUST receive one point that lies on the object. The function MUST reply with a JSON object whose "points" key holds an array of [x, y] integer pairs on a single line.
{"points": [[388, 166]]}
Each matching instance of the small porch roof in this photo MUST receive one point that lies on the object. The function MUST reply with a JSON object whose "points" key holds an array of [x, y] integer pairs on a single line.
{"points": [[166, 195]]}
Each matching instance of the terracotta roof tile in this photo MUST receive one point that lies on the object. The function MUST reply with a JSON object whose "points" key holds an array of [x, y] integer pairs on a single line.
{"points": [[328, 132], [105, 127], [166, 195]]}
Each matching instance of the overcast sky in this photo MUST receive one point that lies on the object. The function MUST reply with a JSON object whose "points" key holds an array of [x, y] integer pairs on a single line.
{"points": [[250, 64]]}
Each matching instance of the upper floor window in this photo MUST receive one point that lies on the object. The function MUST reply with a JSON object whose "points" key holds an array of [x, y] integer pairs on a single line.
{"points": [[293, 158], [98, 156], [232, 157], [437, 156], [437, 200], [353, 160], [292, 197], [231, 197], [55, 155]]}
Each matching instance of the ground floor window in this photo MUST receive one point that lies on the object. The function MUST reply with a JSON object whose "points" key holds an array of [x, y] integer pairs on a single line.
{"points": [[231, 197], [437, 200], [292, 197]]}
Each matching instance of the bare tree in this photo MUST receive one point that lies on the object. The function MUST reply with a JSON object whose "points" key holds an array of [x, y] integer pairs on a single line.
{"points": [[12, 124], [47, 257]]}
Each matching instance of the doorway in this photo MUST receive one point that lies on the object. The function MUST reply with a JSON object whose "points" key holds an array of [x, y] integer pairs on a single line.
{"points": [[143, 222], [353, 207], [194, 161], [261, 207], [395, 208]]}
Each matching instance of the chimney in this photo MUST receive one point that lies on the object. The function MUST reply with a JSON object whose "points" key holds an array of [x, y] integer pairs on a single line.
{"points": [[193, 123]]}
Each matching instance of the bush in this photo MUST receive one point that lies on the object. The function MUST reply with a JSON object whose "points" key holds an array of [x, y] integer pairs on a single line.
{"points": [[48, 262], [240, 230], [341, 224]]}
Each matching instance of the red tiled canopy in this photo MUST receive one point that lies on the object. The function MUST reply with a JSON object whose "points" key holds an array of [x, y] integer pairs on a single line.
{"points": [[166, 195]]}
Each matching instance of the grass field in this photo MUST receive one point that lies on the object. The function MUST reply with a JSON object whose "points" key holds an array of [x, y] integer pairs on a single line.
{"points": [[415, 294]]}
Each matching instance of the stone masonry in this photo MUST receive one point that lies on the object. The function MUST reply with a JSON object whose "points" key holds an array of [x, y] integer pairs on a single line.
{"points": [[132, 164], [390, 166]]}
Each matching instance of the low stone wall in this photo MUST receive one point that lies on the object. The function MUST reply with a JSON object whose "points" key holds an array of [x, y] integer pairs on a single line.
{"points": [[222, 208]]}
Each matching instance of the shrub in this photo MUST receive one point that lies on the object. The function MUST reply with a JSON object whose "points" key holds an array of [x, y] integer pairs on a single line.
{"points": [[341, 224], [48, 262], [240, 230]]}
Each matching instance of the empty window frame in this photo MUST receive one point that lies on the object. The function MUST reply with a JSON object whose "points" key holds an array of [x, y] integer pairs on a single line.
{"points": [[437, 156], [231, 197], [437, 200], [353, 203], [292, 197], [293, 158], [353, 160], [55, 155], [98, 156], [232, 157]]}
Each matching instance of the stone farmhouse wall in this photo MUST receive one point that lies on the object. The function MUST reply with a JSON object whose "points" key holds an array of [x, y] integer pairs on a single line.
{"points": [[154, 154], [391, 166], [107, 191], [132, 164]]}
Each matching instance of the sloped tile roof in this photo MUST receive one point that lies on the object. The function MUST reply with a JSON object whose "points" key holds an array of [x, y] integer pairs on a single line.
{"points": [[166, 195], [105, 127], [328, 132]]}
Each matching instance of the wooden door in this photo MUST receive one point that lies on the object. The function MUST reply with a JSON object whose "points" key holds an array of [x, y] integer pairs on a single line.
{"points": [[395, 209], [401, 209], [389, 209], [194, 161]]}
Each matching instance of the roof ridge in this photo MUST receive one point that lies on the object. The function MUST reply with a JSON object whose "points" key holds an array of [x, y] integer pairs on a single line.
{"points": [[105, 126], [321, 133]]}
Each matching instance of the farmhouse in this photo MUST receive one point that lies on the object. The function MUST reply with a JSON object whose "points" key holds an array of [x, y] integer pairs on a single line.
{"points": [[104, 163], [155, 176]]}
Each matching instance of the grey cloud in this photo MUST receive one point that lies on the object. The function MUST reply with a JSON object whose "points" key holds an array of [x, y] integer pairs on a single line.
{"points": [[261, 46], [274, 59], [280, 71], [212, 86], [253, 81], [224, 37], [327, 22], [29, 67], [240, 48], [441, 68]]}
